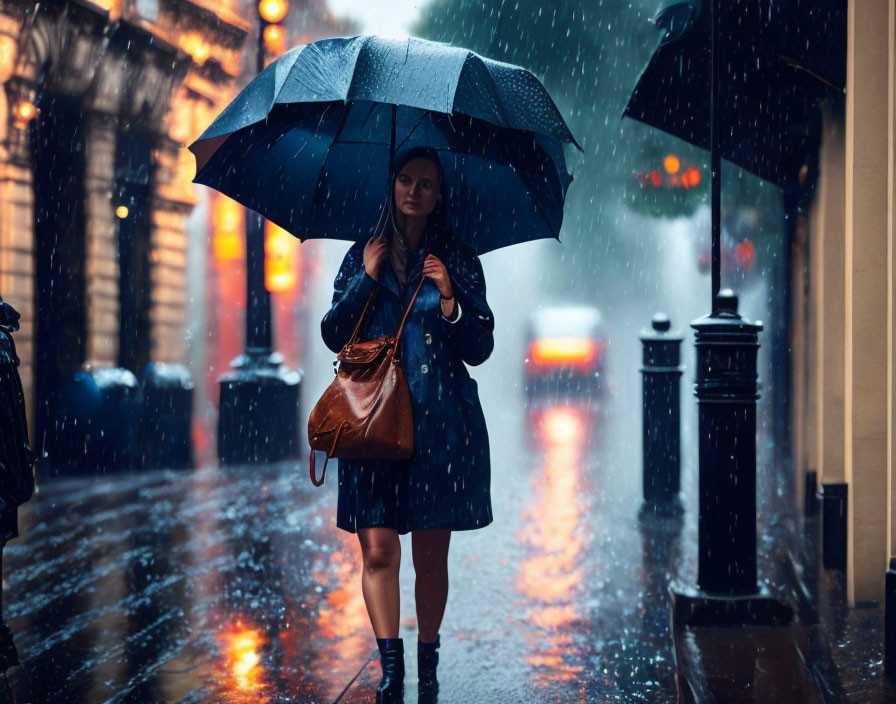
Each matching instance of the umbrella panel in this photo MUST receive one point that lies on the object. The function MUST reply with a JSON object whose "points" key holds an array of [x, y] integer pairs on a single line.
{"points": [[771, 55], [320, 170]]}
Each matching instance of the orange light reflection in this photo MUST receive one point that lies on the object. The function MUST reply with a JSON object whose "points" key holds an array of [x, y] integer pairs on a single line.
{"points": [[551, 576], [343, 636], [241, 675]]}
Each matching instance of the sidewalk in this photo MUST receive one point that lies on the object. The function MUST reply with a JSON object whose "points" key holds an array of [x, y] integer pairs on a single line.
{"points": [[829, 654], [235, 586], [213, 586]]}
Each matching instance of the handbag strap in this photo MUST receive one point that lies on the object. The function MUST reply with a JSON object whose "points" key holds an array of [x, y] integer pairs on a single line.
{"points": [[332, 450], [357, 330], [414, 298], [330, 453]]}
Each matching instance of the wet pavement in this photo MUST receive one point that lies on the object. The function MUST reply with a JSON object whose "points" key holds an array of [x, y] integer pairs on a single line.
{"points": [[234, 585]]}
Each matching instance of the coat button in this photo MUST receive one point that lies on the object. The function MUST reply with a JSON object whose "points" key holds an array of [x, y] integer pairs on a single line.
{"points": [[424, 368], [427, 338]]}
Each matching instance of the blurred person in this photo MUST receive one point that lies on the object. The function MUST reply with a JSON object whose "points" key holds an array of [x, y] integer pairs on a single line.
{"points": [[16, 460]]}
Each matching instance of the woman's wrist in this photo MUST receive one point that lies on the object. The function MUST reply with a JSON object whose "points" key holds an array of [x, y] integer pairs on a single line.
{"points": [[449, 308]]}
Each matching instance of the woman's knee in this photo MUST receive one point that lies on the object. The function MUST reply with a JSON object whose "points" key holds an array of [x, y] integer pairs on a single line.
{"points": [[381, 554]]}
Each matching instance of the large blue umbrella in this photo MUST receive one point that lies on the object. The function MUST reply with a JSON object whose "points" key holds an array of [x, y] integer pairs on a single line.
{"points": [[309, 143]]}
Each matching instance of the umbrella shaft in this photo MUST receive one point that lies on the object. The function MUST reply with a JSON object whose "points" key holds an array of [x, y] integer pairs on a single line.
{"points": [[716, 157]]}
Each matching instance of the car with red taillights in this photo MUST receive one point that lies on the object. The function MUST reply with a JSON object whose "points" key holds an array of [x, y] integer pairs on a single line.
{"points": [[566, 351]]}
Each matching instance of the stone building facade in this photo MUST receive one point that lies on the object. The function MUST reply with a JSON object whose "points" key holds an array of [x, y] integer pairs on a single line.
{"points": [[100, 98], [844, 422], [95, 183], [107, 249]]}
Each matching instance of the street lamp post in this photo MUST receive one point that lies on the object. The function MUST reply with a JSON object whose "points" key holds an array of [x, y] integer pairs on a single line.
{"points": [[258, 420], [728, 591]]}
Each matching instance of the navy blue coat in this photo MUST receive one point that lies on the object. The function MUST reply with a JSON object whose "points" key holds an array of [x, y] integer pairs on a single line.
{"points": [[446, 483]]}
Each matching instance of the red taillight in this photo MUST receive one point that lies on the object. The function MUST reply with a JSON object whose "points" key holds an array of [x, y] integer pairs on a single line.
{"points": [[565, 352]]}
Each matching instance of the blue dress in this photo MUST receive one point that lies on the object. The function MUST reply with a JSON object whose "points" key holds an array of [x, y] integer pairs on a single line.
{"points": [[446, 484]]}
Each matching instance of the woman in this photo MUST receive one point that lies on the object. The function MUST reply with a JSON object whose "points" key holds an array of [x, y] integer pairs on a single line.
{"points": [[445, 486]]}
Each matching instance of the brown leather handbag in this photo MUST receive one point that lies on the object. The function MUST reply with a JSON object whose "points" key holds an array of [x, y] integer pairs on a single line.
{"points": [[365, 413]]}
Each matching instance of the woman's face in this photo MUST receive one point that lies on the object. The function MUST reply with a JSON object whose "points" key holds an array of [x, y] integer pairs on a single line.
{"points": [[417, 187]]}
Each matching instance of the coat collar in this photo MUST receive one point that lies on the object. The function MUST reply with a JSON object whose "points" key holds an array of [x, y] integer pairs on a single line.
{"points": [[387, 277]]}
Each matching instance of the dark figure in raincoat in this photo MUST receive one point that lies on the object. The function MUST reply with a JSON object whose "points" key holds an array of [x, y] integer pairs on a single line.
{"points": [[16, 477], [445, 486]]}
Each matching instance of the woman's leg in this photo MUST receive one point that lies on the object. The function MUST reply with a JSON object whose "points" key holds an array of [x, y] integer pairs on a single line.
{"points": [[430, 551], [381, 551]]}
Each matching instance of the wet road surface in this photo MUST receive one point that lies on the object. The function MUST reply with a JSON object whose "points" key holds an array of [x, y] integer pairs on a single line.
{"points": [[235, 586]]}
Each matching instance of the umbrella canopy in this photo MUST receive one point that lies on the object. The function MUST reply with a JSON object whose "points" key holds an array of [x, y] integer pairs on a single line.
{"points": [[777, 59], [309, 142]]}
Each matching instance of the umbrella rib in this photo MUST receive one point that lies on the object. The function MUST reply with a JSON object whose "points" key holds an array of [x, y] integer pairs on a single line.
{"points": [[498, 101], [532, 192], [369, 113], [413, 129], [324, 161], [793, 64]]}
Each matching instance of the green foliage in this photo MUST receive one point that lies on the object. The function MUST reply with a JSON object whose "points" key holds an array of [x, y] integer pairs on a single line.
{"points": [[589, 54], [671, 198]]}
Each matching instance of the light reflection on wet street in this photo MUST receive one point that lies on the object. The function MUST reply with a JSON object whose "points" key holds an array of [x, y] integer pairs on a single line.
{"points": [[235, 586]]}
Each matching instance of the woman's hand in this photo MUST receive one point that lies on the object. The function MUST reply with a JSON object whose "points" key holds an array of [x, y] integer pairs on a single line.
{"points": [[374, 253], [434, 269]]}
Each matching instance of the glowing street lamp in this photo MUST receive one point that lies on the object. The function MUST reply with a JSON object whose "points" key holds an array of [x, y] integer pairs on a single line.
{"points": [[273, 11], [271, 33], [260, 387], [24, 113]]}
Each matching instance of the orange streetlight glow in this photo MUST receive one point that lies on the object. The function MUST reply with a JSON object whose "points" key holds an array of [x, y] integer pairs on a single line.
{"points": [[227, 230], [281, 251], [25, 112], [241, 673], [275, 38], [671, 164], [273, 11], [122, 211]]}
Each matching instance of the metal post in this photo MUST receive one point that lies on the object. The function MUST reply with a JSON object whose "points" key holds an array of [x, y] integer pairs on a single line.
{"points": [[726, 390], [661, 429], [833, 525], [716, 158], [258, 299], [258, 419]]}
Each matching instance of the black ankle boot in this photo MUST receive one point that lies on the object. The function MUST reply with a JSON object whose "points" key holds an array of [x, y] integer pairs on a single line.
{"points": [[391, 689], [427, 662]]}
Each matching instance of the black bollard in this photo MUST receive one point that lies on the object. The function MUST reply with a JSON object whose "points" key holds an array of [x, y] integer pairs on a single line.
{"points": [[810, 500], [661, 422], [97, 423], [726, 391], [258, 420], [726, 388], [165, 427]]}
